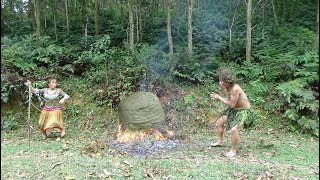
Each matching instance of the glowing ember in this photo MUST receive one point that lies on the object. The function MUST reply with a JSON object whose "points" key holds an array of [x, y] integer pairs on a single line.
{"points": [[138, 135]]}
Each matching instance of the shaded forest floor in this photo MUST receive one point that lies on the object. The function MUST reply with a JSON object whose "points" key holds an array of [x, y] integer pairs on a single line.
{"points": [[85, 154]]}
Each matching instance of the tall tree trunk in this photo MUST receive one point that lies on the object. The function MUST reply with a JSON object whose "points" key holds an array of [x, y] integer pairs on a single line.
{"points": [[66, 15], [31, 11], [137, 23], [84, 18], [86, 29], [249, 22], [140, 25], [96, 16], [284, 10], [170, 45], [317, 22], [44, 9], [131, 26], [11, 4], [230, 25], [190, 3], [37, 17], [263, 11], [55, 23], [274, 14]]}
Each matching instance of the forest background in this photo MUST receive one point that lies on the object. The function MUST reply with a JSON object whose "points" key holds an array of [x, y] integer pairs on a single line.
{"points": [[101, 51], [112, 48]]}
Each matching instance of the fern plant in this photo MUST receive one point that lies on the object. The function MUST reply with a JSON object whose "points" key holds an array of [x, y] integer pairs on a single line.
{"points": [[301, 94]]}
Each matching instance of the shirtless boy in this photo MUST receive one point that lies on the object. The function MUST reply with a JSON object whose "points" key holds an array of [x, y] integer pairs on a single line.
{"points": [[239, 113]]}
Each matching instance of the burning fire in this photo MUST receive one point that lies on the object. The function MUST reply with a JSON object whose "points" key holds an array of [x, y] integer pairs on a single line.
{"points": [[129, 135]]}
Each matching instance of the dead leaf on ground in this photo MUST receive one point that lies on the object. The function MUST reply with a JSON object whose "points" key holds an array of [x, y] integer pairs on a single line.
{"points": [[97, 155], [40, 176], [69, 177], [269, 175], [270, 131], [127, 163], [107, 173], [314, 173], [241, 176], [54, 165], [147, 173], [21, 174], [90, 174], [294, 178], [102, 176], [301, 158], [294, 144]]}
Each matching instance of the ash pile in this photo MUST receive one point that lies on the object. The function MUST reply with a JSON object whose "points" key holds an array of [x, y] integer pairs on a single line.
{"points": [[144, 147]]}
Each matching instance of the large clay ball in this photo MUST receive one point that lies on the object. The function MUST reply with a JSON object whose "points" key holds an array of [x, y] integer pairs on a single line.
{"points": [[141, 110]]}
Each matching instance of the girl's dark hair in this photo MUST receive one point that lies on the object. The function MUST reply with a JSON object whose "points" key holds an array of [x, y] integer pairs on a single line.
{"points": [[50, 79], [226, 75]]}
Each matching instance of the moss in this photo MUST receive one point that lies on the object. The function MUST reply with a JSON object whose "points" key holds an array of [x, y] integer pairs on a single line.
{"points": [[141, 110]]}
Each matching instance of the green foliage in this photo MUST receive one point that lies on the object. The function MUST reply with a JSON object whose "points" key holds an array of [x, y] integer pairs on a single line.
{"points": [[110, 72], [10, 120], [73, 113], [113, 74], [301, 95], [6, 88], [192, 69]]}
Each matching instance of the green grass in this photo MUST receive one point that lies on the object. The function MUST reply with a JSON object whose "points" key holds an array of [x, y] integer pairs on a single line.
{"points": [[259, 154]]}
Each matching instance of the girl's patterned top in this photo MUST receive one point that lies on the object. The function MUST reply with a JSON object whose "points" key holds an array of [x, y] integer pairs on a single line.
{"points": [[52, 100]]}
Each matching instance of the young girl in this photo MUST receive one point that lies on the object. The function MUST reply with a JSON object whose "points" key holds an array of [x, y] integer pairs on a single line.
{"points": [[51, 115]]}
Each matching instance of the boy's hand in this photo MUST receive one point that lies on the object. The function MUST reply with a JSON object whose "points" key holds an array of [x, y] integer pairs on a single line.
{"points": [[214, 96]]}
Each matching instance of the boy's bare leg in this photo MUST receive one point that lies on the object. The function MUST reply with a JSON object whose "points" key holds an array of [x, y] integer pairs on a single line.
{"points": [[220, 129], [63, 132], [234, 140]]}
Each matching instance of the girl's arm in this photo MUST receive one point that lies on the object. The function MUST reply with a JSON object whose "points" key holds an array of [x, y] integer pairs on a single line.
{"points": [[34, 90], [65, 96]]}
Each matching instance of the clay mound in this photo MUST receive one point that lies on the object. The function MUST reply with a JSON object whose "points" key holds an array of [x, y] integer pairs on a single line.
{"points": [[141, 110]]}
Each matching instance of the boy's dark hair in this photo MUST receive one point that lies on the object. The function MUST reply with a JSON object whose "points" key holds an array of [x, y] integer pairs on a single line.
{"points": [[226, 75]]}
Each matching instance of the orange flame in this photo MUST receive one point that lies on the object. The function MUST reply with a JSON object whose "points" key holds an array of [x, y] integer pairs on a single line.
{"points": [[129, 135]]}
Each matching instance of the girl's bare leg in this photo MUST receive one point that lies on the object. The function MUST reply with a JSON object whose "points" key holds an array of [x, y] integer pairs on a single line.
{"points": [[63, 132], [44, 134]]}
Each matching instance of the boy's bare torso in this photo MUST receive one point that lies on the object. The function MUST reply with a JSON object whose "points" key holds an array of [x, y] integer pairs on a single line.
{"points": [[243, 101]]}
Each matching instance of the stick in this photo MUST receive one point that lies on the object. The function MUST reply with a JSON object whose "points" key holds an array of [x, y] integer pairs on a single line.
{"points": [[29, 108]]}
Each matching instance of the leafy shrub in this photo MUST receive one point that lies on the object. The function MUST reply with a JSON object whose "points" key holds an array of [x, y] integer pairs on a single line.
{"points": [[113, 73], [301, 94], [10, 120]]}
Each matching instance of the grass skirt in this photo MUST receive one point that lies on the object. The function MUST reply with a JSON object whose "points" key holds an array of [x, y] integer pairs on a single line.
{"points": [[51, 118], [235, 117]]}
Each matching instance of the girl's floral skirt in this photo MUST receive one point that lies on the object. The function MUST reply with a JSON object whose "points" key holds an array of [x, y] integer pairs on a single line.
{"points": [[51, 117]]}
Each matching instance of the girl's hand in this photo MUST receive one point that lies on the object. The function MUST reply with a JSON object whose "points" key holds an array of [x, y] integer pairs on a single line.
{"points": [[61, 101], [28, 83]]}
